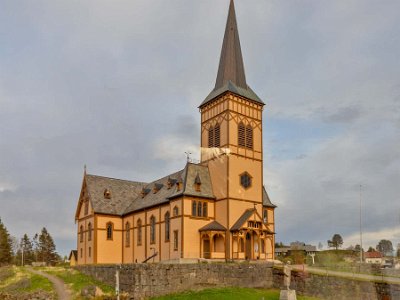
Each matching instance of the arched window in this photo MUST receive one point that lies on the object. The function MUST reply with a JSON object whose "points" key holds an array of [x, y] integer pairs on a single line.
{"points": [[176, 211], [109, 231], [199, 209], [205, 212], [167, 227], [152, 230], [81, 233], [127, 234], [89, 231], [194, 208], [265, 216], [211, 137], [139, 232]]}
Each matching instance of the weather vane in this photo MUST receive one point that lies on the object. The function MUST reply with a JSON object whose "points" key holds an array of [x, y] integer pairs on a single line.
{"points": [[188, 153]]}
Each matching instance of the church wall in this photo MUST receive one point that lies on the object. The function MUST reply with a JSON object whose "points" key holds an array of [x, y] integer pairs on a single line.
{"points": [[176, 226], [127, 247], [218, 169], [139, 251], [164, 249], [153, 247], [84, 245], [192, 225], [239, 165], [221, 212], [109, 251]]}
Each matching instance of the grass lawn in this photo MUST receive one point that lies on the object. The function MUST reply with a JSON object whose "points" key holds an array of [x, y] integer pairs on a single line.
{"points": [[19, 281], [76, 280], [229, 294]]}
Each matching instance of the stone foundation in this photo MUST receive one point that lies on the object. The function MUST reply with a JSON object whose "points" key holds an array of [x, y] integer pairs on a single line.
{"points": [[337, 288], [148, 280]]}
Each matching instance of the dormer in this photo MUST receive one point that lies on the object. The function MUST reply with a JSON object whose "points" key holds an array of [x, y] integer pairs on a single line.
{"points": [[197, 183], [179, 184], [170, 182], [107, 194], [144, 192], [157, 187]]}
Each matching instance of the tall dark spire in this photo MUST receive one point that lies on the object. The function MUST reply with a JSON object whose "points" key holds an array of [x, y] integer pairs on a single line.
{"points": [[231, 76], [231, 65]]}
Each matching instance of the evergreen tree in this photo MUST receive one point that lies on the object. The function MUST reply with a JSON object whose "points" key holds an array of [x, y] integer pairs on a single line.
{"points": [[25, 254], [5, 245], [35, 244], [46, 248]]}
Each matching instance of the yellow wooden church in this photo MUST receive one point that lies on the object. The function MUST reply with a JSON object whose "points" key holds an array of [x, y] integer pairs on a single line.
{"points": [[216, 209]]}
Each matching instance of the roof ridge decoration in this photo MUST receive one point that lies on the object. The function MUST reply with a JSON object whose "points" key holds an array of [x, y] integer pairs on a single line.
{"points": [[231, 73]]}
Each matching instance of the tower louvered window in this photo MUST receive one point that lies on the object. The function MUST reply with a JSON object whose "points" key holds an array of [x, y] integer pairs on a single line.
{"points": [[249, 137], [217, 136], [245, 136], [214, 136], [241, 135], [211, 137]]}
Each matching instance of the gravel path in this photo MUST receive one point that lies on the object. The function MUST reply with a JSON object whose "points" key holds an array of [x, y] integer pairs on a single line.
{"points": [[59, 286]]}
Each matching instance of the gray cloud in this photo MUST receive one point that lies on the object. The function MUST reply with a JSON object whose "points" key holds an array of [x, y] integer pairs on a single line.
{"points": [[116, 85]]}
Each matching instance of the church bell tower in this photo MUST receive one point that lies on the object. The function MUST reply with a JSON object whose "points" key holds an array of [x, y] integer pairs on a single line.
{"points": [[231, 134]]}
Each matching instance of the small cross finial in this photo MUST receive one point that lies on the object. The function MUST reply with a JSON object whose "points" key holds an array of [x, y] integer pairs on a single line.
{"points": [[84, 168]]}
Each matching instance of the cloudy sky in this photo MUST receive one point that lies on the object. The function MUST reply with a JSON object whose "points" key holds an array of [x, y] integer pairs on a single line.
{"points": [[116, 85]]}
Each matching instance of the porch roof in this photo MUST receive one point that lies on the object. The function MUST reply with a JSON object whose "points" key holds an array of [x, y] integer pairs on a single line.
{"points": [[213, 226]]}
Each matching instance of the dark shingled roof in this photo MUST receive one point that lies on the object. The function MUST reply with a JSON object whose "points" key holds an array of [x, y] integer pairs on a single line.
{"points": [[213, 226], [231, 74], [130, 196], [122, 193], [243, 218], [73, 253], [266, 201]]}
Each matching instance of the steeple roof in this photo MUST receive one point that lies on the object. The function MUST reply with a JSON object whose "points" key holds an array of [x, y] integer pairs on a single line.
{"points": [[231, 75]]}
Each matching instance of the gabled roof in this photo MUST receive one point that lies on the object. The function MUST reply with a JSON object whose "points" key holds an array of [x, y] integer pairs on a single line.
{"points": [[129, 196], [231, 74], [73, 253], [122, 193], [213, 226], [374, 254], [266, 201], [243, 218], [151, 198]]}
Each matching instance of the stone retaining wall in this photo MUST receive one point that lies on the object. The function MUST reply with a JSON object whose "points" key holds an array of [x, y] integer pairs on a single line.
{"points": [[148, 280], [330, 287]]}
